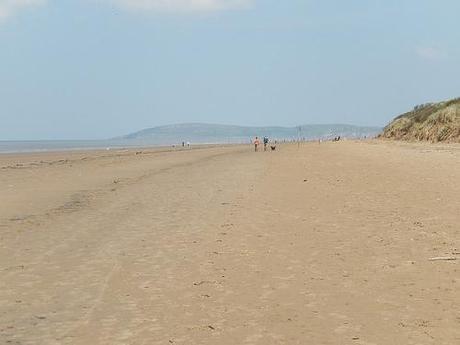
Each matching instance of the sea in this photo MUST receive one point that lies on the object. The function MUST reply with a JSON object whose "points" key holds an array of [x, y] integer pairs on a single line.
{"points": [[69, 145]]}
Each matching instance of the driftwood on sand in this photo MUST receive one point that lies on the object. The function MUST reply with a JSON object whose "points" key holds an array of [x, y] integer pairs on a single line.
{"points": [[443, 258]]}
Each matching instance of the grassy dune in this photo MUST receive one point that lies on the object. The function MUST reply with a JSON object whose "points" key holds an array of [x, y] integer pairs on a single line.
{"points": [[436, 122]]}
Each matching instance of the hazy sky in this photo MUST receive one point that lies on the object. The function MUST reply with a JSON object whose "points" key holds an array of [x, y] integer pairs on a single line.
{"points": [[82, 69]]}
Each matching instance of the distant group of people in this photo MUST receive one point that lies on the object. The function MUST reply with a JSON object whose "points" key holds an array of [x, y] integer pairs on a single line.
{"points": [[266, 142], [271, 145]]}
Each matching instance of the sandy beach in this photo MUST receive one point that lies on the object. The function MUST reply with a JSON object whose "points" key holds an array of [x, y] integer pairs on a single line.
{"points": [[319, 244]]}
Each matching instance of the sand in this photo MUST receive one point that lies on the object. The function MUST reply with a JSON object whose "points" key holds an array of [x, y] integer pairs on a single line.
{"points": [[323, 244]]}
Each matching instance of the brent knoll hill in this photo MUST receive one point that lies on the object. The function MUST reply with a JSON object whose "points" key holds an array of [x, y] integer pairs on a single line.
{"points": [[435, 122], [211, 133]]}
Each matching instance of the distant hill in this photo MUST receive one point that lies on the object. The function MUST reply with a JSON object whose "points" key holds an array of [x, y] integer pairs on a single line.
{"points": [[211, 133], [434, 122]]}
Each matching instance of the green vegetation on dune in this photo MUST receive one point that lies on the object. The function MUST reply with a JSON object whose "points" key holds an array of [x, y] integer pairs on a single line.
{"points": [[434, 122]]}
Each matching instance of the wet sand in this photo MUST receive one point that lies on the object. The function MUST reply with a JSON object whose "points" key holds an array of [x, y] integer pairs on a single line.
{"points": [[323, 244]]}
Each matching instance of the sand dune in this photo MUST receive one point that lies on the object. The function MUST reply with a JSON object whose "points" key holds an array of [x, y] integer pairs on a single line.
{"points": [[323, 244]]}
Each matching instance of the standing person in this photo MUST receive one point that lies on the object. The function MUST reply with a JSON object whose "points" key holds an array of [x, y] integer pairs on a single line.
{"points": [[265, 143], [256, 144]]}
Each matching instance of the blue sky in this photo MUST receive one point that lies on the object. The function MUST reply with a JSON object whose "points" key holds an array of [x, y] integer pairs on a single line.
{"points": [[86, 69]]}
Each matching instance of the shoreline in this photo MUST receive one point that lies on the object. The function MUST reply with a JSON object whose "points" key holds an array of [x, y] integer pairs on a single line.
{"points": [[51, 156], [108, 147]]}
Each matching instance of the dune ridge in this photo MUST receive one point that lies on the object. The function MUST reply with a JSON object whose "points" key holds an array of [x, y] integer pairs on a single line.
{"points": [[433, 122]]}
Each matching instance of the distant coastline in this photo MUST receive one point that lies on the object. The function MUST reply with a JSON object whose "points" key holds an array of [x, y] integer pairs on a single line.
{"points": [[196, 134]]}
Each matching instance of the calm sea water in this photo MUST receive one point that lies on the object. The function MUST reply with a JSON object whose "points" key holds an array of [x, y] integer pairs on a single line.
{"points": [[72, 145], [66, 145]]}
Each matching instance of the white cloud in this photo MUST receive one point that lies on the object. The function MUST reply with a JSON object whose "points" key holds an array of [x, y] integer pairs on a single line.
{"points": [[10, 7], [431, 53], [182, 5]]}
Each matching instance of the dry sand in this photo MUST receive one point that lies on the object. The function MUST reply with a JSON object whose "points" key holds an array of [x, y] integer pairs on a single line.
{"points": [[322, 244]]}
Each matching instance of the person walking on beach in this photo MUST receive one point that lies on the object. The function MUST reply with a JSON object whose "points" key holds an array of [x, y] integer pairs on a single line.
{"points": [[256, 144], [265, 143]]}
